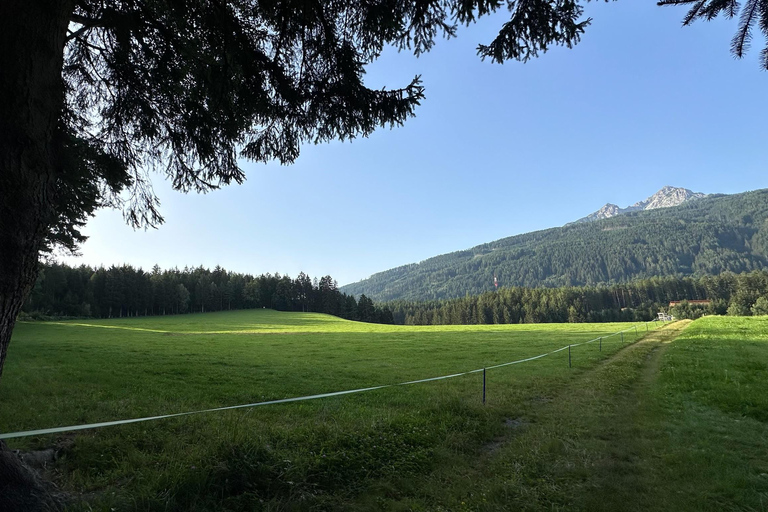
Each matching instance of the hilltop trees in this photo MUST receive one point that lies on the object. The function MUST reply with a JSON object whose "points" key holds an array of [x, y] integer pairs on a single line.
{"points": [[125, 292], [365, 309], [760, 307]]}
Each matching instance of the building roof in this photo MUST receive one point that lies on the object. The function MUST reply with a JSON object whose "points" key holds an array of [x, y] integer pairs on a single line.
{"points": [[694, 302]]}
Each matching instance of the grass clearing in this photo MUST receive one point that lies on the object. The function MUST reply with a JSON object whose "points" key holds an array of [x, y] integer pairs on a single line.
{"points": [[592, 437], [67, 372]]}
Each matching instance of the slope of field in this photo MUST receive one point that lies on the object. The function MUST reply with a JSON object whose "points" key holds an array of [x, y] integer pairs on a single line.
{"points": [[549, 436], [706, 236], [253, 321]]}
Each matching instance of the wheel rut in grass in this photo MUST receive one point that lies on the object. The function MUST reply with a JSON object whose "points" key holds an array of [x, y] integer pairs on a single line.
{"points": [[588, 447], [659, 338]]}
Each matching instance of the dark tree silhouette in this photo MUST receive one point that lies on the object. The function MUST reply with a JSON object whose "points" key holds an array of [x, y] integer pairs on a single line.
{"points": [[752, 13]]}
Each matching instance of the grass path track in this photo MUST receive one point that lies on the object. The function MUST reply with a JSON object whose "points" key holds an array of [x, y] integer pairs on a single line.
{"points": [[588, 448]]}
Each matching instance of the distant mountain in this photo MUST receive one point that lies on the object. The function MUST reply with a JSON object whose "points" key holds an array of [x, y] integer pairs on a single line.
{"points": [[664, 198], [606, 212], [710, 235]]}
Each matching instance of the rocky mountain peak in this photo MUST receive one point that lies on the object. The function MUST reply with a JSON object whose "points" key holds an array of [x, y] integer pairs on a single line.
{"points": [[609, 210], [664, 198], [668, 196]]}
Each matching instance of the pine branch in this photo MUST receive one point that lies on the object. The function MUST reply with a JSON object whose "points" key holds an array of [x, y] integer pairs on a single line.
{"points": [[693, 13], [743, 37], [764, 59], [763, 8], [715, 7]]}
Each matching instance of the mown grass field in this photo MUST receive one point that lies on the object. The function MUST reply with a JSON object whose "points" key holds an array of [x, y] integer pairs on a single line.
{"points": [[607, 432]]}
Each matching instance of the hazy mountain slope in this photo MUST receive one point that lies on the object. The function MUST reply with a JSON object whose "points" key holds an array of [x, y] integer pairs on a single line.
{"points": [[706, 236]]}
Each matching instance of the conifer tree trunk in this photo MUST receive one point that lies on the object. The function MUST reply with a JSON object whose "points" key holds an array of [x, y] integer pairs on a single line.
{"points": [[32, 38]]}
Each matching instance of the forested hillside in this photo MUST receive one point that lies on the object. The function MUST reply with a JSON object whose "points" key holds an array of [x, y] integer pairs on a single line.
{"points": [[734, 294], [703, 237]]}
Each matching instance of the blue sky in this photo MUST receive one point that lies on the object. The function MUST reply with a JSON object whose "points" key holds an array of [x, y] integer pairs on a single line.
{"points": [[494, 150]]}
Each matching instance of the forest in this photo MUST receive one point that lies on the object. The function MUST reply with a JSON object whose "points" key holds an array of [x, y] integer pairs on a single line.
{"points": [[121, 291], [742, 294], [708, 236]]}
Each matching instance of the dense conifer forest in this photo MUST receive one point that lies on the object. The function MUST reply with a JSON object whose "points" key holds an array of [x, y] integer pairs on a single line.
{"points": [[706, 236], [743, 295], [63, 291]]}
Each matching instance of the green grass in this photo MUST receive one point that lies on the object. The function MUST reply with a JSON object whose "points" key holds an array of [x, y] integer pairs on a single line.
{"points": [[659, 427], [71, 372], [711, 400], [266, 321], [650, 426]]}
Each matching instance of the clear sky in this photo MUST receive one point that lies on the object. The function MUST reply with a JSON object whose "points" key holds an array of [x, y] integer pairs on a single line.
{"points": [[494, 150]]}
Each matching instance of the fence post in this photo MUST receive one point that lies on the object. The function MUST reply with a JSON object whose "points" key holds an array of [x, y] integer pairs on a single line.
{"points": [[483, 385], [569, 356], [601, 344]]}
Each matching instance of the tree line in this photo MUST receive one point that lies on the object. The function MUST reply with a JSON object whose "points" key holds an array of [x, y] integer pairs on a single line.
{"points": [[125, 291], [742, 294]]}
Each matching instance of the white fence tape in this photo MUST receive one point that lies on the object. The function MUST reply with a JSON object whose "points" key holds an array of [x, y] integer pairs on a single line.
{"points": [[56, 430]]}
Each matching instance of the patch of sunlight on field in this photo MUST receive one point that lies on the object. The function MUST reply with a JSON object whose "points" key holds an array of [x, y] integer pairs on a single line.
{"points": [[255, 321], [105, 369]]}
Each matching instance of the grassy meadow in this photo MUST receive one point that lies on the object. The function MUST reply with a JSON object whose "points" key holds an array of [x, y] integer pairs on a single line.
{"points": [[545, 439]]}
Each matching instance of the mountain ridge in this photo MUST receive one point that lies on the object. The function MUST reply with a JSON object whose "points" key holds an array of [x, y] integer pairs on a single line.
{"points": [[710, 235], [666, 197]]}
